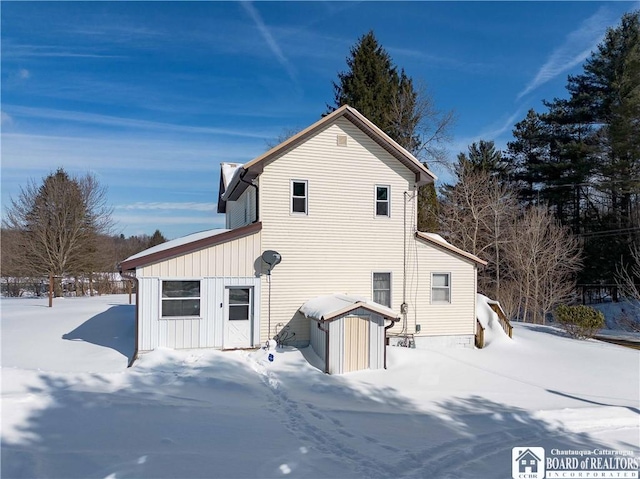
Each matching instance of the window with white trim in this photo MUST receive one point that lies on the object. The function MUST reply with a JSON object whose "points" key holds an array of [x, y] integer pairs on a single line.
{"points": [[383, 203], [180, 298], [382, 289], [441, 287], [239, 304], [299, 197]]}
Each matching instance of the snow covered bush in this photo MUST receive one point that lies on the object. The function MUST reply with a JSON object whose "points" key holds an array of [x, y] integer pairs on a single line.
{"points": [[579, 321]]}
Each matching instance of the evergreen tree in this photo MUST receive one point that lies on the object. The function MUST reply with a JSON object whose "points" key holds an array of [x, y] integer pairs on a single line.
{"points": [[156, 239], [389, 99]]}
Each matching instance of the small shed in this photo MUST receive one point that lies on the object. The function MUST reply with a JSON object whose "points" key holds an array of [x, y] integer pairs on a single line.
{"points": [[348, 333]]}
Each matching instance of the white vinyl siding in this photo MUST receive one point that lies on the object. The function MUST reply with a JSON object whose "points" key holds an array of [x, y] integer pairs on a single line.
{"points": [[383, 200], [340, 243], [299, 197]]}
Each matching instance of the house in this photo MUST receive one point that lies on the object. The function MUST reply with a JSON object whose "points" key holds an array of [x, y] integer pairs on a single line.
{"points": [[527, 462], [337, 203]]}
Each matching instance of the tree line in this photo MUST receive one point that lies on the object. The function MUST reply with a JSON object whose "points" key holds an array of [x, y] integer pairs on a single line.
{"points": [[559, 207], [63, 228]]}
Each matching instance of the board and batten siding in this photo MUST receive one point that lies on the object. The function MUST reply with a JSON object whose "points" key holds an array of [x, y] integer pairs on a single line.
{"points": [[337, 246], [375, 343], [235, 258], [228, 264]]}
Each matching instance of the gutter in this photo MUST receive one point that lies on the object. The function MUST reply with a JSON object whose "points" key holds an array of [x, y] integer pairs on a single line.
{"points": [[386, 328], [131, 277]]}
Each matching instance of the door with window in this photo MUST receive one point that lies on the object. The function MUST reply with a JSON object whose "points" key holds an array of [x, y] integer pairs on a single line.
{"points": [[238, 324]]}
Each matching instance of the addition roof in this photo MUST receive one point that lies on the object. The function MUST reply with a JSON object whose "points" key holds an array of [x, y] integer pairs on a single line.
{"points": [[186, 244], [440, 242]]}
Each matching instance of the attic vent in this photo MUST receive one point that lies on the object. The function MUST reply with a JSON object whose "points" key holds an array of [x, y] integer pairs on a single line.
{"points": [[342, 140]]}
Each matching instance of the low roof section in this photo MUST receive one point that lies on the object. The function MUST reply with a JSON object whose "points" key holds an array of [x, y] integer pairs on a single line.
{"points": [[243, 175], [333, 306], [186, 244], [438, 241]]}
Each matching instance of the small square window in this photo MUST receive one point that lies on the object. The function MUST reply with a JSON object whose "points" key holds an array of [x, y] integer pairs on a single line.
{"points": [[299, 197], [440, 288], [382, 201], [382, 289]]}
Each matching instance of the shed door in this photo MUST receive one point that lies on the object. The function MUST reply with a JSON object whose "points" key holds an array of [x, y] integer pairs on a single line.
{"points": [[356, 343], [238, 324]]}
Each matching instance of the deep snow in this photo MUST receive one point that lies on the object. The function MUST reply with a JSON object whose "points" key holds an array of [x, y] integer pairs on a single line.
{"points": [[71, 408]]}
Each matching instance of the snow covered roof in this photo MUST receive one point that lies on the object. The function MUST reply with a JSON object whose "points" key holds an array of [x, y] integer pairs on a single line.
{"points": [[438, 240], [252, 169], [326, 308], [187, 244], [227, 170]]}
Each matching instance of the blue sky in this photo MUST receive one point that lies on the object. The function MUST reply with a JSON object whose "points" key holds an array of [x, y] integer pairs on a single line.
{"points": [[152, 96]]}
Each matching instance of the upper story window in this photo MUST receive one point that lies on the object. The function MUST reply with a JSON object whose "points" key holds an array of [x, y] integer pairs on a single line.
{"points": [[299, 197], [382, 289], [383, 200], [180, 298], [441, 288]]}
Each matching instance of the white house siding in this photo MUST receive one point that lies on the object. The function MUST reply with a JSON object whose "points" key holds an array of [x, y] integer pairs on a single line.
{"points": [[457, 318], [217, 267], [242, 211], [340, 243]]}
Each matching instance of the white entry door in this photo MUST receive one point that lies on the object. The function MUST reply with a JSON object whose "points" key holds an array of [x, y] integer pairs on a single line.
{"points": [[238, 324]]}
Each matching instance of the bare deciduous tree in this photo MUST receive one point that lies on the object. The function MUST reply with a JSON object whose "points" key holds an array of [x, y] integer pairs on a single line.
{"points": [[476, 215], [543, 259], [58, 223]]}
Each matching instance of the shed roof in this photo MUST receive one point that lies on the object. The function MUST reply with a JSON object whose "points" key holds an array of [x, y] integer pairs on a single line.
{"points": [[187, 244], [332, 306], [439, 241], [252, 169]]}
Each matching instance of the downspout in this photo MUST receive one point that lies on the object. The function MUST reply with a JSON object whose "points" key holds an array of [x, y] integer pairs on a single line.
{"points": [[386, 328], [244, 172], [131, 277], [326, 348]]}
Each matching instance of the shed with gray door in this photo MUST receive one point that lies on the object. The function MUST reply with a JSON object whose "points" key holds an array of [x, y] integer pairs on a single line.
{"points": [[348, 333]]}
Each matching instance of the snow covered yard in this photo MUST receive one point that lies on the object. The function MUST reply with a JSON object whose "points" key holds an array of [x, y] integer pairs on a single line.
{"points": [[71, 408]]}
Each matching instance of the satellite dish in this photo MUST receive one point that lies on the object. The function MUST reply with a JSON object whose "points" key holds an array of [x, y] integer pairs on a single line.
{"points": [[272, 258]]}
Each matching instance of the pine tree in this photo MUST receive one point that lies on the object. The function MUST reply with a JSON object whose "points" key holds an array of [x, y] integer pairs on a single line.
{"points": [[390, 100]]}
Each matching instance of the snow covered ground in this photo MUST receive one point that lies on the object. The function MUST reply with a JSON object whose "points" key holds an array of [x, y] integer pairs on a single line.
{"points": [[71, 408]]}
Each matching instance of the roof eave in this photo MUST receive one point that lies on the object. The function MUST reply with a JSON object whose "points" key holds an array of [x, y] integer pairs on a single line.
{"points": [[452, 249], [132, 264]]}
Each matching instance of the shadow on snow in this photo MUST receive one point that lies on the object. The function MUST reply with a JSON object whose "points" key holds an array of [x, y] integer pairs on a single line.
{"points": [[113, 328]]}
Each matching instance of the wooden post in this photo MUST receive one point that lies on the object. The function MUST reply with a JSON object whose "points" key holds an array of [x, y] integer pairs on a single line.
{"points": [[50, 290], [129, 288]]}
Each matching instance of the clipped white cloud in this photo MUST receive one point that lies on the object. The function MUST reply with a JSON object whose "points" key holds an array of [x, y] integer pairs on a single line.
{"points": [[5, 118], [576, 48]]}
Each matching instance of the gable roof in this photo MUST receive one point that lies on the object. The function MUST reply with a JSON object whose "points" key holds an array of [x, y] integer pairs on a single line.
{"points": [[252, 169], [332, 306], [186, 244], [528, 453], [440, 242], [227, 170]]}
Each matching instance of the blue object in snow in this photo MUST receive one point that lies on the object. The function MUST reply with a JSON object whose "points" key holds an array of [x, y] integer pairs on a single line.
{"points": [[270, 357]]}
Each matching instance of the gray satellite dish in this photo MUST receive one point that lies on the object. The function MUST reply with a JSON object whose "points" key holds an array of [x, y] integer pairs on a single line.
{"points": [[272, 258]]}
